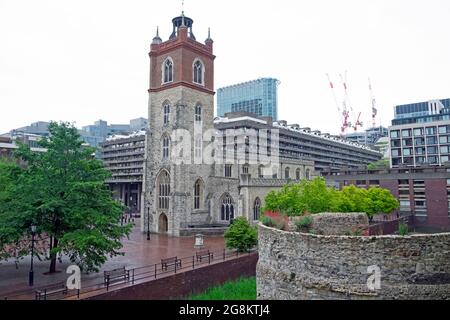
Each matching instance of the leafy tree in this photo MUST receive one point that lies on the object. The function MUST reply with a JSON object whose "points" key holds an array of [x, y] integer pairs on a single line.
{"points": [[241, 235], [62, 191], [380, 164], [352, 199], [307, 196], [380, 201]]}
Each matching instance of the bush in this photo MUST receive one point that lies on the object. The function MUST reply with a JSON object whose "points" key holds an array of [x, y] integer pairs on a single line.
{"points": [[304, 223], [275, 220], [403, 229], [241, 235]]}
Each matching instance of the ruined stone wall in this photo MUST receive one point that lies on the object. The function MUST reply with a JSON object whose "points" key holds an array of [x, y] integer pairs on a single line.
{"points": [[304, 266]]}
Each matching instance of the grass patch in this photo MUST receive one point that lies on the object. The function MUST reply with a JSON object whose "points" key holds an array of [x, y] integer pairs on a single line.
{"points": [[242, 289]]}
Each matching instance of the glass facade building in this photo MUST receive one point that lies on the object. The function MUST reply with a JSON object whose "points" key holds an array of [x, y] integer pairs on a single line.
{"points": [[258, 96], [407, 112]]}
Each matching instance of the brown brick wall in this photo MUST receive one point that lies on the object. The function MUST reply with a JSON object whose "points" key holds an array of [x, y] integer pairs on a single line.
{"points": [[437, 203], [186, 283]]}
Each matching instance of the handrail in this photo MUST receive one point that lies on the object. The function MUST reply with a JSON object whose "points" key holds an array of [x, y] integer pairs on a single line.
{"points": [[138, 274]]}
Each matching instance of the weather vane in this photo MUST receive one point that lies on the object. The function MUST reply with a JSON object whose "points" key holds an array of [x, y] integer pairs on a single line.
{"points": [[182, 6]]}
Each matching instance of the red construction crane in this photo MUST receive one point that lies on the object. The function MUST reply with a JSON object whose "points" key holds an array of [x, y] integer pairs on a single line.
{"points": [[344, 114]]}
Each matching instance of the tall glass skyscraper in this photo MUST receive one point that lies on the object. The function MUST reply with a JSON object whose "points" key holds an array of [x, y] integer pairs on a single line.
{"points": [[257, 96]]}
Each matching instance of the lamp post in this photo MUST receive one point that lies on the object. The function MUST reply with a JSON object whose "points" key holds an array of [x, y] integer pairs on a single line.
{"points": [[31, 273], [148, 220]]}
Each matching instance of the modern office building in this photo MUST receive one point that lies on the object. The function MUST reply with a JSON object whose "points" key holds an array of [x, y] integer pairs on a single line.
{"points": [[423, 192], [420, 134], [303, 143], [123, 155], [369, 137], [8, 143], [426, 111], [258, 96]]}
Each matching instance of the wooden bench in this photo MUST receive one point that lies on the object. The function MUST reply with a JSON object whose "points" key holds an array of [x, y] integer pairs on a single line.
{"points": [[44, 293], [120, 274], [173, 262], [204, 254]]}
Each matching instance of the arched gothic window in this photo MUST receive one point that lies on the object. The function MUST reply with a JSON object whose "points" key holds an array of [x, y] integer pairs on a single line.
{"points": [[297, 174], [227, 209], [168, 71], [260, 172], [166, 112], [308, 175], [287, 173], [256, 209], [274, 172], [163, 190], [198, 72], [198, 113], [165, 147], [198, 190]]}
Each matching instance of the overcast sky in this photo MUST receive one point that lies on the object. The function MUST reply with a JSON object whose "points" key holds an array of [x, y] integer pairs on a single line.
{"points": [[85, 60]]}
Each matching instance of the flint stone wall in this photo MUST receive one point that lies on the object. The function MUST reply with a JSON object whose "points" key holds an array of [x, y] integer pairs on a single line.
{"points": [[299, 266]]}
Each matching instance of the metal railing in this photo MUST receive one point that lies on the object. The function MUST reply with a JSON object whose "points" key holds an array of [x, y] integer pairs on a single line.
{"points": [[101, 284]]}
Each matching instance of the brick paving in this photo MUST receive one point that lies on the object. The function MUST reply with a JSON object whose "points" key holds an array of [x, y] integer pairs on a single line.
{"points": [[138, 252]]}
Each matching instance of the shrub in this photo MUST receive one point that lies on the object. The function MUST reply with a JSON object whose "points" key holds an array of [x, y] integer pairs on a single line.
{"points": [[241, 235], [304, 223], [275, 220], [402, 229], [380, 201]]}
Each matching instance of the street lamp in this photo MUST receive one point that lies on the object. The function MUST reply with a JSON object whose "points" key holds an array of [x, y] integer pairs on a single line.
{"points": [[148, 220], [31, 273]]}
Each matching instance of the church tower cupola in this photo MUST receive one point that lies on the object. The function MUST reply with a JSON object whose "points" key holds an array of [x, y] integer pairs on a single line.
{"points": [[179, 22]]}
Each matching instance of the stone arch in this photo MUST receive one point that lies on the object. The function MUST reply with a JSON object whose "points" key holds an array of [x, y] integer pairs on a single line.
{"points": [[163, 190], [163, 223], [199, 187], [256, 209], [167, 70]]}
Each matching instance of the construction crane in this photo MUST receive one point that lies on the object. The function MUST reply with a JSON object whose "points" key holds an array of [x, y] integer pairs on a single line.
{"points": [[344, 114], [374, 105], [347, 105]]}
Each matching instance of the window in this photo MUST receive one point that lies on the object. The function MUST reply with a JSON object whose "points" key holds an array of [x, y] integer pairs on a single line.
{"points": [[430, 130], [443, 139], [418, 131], [256, 209], [227, 209], [432, 150], [245, 169], [407, 151], [164, 191], [165, 147], [198, 72], [395, 152], [274, 173], [168, 71], [443, 129], [287, 173], [297, 174], [228, 170], [197, 194], [394, 134], [431, 140], [406, 133], [307, 174], [166, 112], [198, 148], [260, 172], [444, 149], [444, 159], [198, 113]]}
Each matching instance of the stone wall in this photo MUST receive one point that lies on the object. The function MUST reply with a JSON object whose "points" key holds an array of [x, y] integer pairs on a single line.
{"points": [[339, 223], [304, 266]]}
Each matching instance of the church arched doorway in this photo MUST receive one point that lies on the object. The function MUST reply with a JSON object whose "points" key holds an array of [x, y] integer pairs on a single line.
{"points": [[163, 226]]}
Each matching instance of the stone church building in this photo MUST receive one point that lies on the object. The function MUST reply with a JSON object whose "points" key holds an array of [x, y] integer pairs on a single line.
{"points": [[195, 179]]}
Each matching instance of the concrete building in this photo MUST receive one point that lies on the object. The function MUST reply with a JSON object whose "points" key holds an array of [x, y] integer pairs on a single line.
{"points": [[258, 96], [124, 157], [420, 134], [369, 137], [423, 192], [296, 143], [8, 143]]}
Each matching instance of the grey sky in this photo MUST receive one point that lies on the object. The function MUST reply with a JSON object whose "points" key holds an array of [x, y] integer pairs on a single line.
{"points": [[82, 60]]}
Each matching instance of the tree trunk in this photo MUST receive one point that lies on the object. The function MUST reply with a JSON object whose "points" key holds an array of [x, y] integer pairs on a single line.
{"points": [[53, 256]]}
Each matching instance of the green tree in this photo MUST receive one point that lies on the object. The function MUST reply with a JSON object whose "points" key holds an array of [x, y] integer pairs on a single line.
{"points": [[380, 164], [62, 191], [380, 201], [241, 235], [307, 196], [352, 199]]}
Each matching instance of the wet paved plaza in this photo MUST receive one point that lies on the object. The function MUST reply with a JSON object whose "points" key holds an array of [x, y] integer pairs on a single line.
{"points": [[138, 252]]}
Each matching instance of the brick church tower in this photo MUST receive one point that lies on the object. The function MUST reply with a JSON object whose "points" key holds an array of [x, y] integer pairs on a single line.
{"points": [[181, 108]]}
